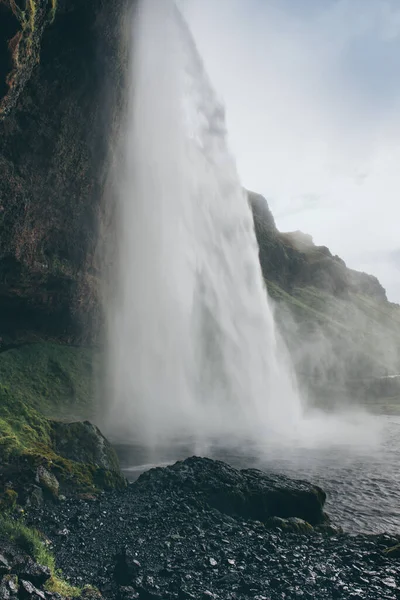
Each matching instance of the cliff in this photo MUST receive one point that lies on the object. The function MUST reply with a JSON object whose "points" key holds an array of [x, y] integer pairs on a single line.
{"points": [[343, 333], [61, 73]]}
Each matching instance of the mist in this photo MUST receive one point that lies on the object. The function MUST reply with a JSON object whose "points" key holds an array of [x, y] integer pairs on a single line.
{"points": [[312, 94]]}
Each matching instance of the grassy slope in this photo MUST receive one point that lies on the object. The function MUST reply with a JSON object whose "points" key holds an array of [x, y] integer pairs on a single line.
{"points": [[47, 380], [356, 326], [55, 379]]}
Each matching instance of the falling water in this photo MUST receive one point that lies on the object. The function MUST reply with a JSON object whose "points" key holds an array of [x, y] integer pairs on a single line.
{"points": [[193, 347]]}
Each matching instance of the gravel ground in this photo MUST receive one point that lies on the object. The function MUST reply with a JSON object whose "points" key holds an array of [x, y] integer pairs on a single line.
{"points": [[160, 541]]}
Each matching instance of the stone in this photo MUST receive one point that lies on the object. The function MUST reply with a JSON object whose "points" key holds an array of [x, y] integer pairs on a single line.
{"points": [[128, 593], [36, 497], [83, 442], [27, 591], [393, 552], [292, 524], [127, 567], [4, 565], [33, 572], [8, 587], [248, 493], [47, 481]]}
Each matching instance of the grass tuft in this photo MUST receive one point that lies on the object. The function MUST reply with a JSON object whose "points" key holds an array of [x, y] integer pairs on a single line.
{"points": [[32, 542]]}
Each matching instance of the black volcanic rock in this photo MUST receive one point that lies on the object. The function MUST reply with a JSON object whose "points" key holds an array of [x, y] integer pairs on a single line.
{"points": [[58, 121], [292, 259], [83, 442], [162, 538], [248, 493]]}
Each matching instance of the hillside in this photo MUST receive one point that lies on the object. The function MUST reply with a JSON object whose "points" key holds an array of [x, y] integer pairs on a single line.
{"points": [[343, 333]]}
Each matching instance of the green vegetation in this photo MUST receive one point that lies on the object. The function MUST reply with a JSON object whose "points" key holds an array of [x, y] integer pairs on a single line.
{"points": [[55, 379], [32, 15], [39, 381], [32, 542], [53, 10], [22, 428], [24, 432]]}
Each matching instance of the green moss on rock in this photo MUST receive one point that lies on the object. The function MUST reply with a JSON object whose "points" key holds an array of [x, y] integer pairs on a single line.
{"points": [[393, 552], [55, 379], [28, 452]]}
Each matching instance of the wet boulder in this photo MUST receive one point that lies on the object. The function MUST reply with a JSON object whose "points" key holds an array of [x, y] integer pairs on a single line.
{"points": [[127, 567], [47, 481], [292, 525], [393, 551], [9, 587], [249, 493], [27, 591], [33, 572], [83, 442]]}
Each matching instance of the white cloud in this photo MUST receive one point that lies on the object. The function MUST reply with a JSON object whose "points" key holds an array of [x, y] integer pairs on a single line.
{"points": [[312, 94]]}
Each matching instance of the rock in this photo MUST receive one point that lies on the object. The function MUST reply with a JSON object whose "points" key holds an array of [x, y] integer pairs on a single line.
{"points": [[47, 481], [62, 532], [128, 593], [83, 442], [329, 529], [249, 493], [36, 497], [4, 565], [33, 572], [90, 593], [50, 285], [27, 591], [126, 568], [393, 552], [8, 587], [292, 524]]}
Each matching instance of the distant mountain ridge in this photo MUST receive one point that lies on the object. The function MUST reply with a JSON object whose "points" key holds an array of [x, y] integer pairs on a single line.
{"points": [[341, 330]]}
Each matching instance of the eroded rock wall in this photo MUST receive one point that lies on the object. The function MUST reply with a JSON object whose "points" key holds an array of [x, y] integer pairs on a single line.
{"points": [[60, 101]]}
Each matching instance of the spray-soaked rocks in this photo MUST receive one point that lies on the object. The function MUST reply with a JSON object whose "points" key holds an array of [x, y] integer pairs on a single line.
{"points": [[164, 538], [248, 493]]}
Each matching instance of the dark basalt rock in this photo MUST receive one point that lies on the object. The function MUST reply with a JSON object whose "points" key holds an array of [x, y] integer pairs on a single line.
{"points": [[32, 572], [161, 538], [292, 259], [127, 567], [57, 115], [26, 578], [9, 587], [83, 442], [248, 493]]}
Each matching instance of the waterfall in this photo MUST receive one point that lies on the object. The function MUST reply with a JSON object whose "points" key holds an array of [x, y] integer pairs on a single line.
{"points": [[193, 348]]}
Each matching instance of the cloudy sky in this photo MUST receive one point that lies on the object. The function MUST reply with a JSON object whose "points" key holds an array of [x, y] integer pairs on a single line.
{"points": [[312, 91]]}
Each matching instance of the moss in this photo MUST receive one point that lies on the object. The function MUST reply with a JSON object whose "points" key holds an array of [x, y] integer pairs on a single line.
{"points": [[53, 10], [32, 17], [32, 542], [393, 552], [55, 379], [21, 426], [26, 434], [8, 500]]}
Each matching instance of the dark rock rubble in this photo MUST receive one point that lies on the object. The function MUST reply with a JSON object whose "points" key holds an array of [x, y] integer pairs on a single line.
{"points": [[203, 530]]}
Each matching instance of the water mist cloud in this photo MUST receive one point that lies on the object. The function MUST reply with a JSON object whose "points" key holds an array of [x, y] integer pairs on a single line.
{"points": [[312, 94]]}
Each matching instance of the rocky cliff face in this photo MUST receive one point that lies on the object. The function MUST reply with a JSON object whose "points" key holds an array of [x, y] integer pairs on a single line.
{"points": [[343, 334], [61, 75], [292, 259]]}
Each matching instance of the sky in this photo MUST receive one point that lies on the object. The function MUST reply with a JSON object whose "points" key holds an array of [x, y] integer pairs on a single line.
{"points": [[312, 93]]}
